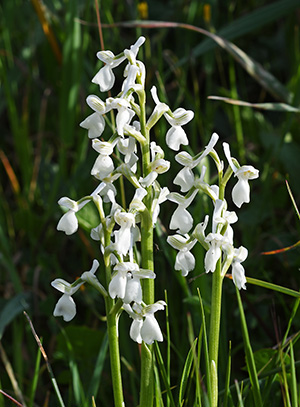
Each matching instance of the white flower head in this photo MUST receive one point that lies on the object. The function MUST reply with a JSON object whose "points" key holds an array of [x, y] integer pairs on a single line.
{"points": [[241, 191], [125, 282], [214, 252], [185, 261], [68, 223], [105, 78], [65, 306], [144, 326], [238, 271]]}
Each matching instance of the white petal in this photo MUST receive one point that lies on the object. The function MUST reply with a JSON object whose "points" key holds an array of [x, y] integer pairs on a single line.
{"points": [[185, 179], [150, 330], [185, 262], [123, 117], [211, 258], [68, 203], [238, 275], [95, 125], [180, 117], [68, 223], [105, 78], [96, 104], [133, 291], [106, 56], [241, 192], [184, 158], [228, 156], [102, 167], [247, 172], [181, 220], [160, 165], [175, 137], [65, 308], [240, 254], [117, 285], [102, 147], [135, 330]]}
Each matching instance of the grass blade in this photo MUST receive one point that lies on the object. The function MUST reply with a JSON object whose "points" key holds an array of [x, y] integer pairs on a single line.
{"points": [[277, 107], [249, 355], [253, 68], [95, 380], [293, 381], [205, 349], [163, 373], [227, 378], [12, 377], [49, 368], [186, 372], [270, 286], [11, 309], [35, 379]]}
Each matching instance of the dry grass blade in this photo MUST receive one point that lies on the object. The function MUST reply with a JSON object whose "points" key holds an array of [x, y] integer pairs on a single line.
{"points": [[11, 398], [279, 107], [254, 69], [46, 360], [11, 375], [39, 8]]}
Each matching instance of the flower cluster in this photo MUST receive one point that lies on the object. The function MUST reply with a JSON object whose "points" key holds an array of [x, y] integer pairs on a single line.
{"points": [[219, 242], [119, 229], [130, 154]]}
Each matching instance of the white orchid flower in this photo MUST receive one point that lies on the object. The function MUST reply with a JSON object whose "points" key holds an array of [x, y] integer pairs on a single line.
{"points": [[185, 261], [102, 167], [181, 219], [175, 135], [185, 178], [95, 125], [68, 223], [144, 326], [66, 306], [123, 236], [125, 282], [105, 78], [238, 271], [214, 253], [241, 191]]}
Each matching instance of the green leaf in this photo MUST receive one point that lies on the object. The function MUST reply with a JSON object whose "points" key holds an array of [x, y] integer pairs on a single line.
{"points": [[163, 373], [251, 367], [12, 308], [186, 372], [274, 287]]}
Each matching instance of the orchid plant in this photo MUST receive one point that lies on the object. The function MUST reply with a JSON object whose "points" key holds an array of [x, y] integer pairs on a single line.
{"points": [[125, 232]]}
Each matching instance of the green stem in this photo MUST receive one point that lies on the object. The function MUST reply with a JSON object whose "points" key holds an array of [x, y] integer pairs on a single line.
{"points": [[214, 334], [115, 364], [147, 375], [112, 316]]}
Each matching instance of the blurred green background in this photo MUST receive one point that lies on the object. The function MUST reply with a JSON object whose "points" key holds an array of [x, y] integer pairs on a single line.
{"points": [[48, 57]]}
